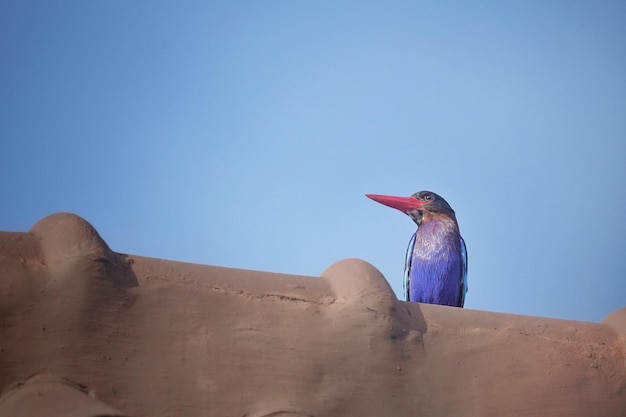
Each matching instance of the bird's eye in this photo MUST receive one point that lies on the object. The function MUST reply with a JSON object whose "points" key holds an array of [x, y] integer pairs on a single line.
{"points": [[428, 197]]}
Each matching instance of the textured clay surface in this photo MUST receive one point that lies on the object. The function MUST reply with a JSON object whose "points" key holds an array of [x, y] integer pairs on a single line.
{"points": [[85, 331]]}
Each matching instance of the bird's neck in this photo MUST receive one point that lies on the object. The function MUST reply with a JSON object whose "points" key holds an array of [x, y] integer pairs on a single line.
{"points": [[438, 233]]}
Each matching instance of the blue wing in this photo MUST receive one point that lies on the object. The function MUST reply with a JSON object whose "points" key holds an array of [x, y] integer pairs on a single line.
{"points": [[407, 267], [464, 287]]}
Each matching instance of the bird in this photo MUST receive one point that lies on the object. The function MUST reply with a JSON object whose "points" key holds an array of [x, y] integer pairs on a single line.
{"points": [[435, 270]]}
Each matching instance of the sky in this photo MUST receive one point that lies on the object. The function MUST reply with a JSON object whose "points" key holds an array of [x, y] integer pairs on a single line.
{"points": [[245, 134]]}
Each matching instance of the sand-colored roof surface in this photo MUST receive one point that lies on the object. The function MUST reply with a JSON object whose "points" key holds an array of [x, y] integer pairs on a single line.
{"points": [[85, 331]]}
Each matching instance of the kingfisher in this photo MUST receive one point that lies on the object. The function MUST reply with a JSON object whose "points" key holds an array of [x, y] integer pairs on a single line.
{"points": [[435, 268]]}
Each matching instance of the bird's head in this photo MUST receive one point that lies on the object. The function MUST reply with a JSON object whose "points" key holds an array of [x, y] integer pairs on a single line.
{"points": [[422, 206]]}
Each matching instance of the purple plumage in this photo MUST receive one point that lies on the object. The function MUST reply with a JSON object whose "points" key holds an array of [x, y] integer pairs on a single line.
{"points": [[436, 259]]}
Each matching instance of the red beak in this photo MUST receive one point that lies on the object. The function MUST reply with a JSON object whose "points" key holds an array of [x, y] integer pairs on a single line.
{"points": [[404, 204]]}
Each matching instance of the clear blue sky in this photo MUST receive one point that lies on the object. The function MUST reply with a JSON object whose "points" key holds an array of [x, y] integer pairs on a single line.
{"points": [[244, 134]]}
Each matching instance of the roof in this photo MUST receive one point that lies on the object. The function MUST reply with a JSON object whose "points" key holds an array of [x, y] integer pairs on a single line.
{"points": [[86, 331]]}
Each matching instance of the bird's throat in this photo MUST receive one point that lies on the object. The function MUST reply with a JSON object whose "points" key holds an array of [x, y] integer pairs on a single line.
{"points": [[436, 239]]}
